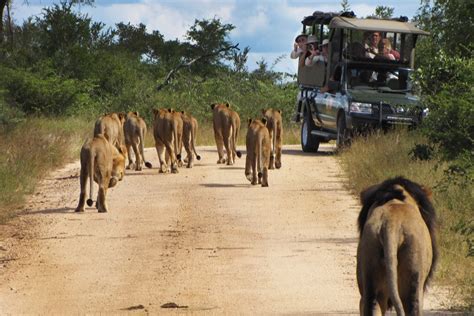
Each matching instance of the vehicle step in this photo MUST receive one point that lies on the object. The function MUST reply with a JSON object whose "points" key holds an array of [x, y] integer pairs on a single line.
{"points": [[323, 134]]}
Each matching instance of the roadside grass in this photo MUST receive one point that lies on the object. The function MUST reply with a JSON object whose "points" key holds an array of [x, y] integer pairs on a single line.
{"points": [[30, 150], [375, 158]]}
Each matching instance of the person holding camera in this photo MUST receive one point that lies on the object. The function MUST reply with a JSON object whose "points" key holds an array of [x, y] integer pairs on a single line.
{"points": [[318, 54], [299, 47]]}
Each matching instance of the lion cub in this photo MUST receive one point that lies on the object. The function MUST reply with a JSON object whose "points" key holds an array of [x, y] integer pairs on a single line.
{"points": [[103, 163], [258, 152]]}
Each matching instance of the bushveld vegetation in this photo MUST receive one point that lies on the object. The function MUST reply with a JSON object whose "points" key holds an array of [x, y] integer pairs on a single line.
{"points": [[61, 70]]}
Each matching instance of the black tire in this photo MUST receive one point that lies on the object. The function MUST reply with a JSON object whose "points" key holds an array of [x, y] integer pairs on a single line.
{"points": [[309, 143], [343, 134]]}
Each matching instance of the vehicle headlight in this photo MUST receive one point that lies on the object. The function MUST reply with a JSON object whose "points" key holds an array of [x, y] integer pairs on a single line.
{"points": [[358, 107]]}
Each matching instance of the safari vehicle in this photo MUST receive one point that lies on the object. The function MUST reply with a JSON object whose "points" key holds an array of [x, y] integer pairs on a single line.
{"points": [[357, 89]]}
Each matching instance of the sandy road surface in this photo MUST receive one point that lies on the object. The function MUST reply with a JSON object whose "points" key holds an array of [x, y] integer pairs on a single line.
{"points": [[204, 238]]}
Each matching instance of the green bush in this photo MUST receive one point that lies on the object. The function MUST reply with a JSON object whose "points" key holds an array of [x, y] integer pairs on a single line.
{"points": [[49, 94]]}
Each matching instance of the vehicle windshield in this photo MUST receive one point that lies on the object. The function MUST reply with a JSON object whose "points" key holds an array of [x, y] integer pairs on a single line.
{"points": [[385, 79], [378, 47]]}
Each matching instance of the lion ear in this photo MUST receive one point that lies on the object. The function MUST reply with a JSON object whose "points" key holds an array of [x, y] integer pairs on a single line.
{"points": [[182, 112], [264, 121], [280, 111], [136, 113], [227, 104], [170, 110], [427, 191], [213, 105], [250, 121]]}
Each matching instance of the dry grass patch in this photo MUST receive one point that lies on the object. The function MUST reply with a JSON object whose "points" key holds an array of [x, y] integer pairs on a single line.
{"points": [[32, 149]]}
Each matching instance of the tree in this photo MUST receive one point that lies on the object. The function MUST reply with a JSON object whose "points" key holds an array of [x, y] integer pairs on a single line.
{"points": [[208, 36], [345, 6], [382, 12], [450, 24], [240, 59], [3, 5]]}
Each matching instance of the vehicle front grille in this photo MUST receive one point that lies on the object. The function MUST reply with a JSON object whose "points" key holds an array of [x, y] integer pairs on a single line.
{"points": [[386, 109]]}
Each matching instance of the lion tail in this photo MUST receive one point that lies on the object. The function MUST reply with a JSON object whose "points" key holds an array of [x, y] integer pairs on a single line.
{"points": [[193, 140], [91, 177], [390, 245], [142, 147], [176, 142], [258, 152], [235, 135]]}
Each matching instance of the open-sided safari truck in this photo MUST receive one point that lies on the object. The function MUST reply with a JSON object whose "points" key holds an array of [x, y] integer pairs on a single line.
{"points": [[364, 84]]}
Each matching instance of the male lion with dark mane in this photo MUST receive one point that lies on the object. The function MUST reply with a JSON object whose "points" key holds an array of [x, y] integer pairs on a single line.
{"points": [[397, 250]]}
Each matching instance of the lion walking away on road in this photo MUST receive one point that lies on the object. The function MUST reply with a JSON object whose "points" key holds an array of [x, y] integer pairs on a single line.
{"points": [[275, 128], [258, 152], [226, 123], [111, 127], [190, 126], [103, 163], [165, 132], [397, 250], [134, 130]]}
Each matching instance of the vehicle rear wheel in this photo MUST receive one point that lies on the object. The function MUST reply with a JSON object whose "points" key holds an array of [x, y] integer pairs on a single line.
{"points": [[309, 143], [343, 134]]}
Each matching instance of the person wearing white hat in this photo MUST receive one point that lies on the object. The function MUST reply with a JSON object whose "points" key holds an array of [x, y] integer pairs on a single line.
{"points": [[317, 56], [299, 47]]}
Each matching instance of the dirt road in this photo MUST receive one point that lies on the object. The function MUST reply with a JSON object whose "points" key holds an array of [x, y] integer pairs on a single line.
{"points": [[204, 239]]}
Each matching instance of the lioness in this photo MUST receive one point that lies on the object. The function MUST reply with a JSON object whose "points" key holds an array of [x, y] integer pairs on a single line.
{"points": [[226, 123], [134, 130], [165, 132], [258, 152], [190, 126], [275, 128], [397, 249], [111, 126], [178, 120], [103, 163]]}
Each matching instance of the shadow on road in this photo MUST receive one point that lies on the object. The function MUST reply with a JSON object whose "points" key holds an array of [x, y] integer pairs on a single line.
{"points": [[62, 210], [222, 185], [299, 152]]}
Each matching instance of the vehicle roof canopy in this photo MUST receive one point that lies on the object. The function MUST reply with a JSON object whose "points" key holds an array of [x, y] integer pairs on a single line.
{"points": [[340, 22]]}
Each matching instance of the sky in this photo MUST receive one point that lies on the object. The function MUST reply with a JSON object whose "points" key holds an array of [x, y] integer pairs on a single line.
{"points": [[268, 27]]}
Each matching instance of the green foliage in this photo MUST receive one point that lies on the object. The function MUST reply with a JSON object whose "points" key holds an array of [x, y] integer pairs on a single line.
{"points": [[34, 93], [450, 23]]}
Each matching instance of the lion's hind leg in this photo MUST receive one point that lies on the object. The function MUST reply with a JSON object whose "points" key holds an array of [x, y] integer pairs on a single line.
{"points": [[83, 184]]}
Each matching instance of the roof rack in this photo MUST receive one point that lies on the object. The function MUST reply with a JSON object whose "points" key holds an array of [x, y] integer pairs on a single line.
{"points": [[319, 17]]}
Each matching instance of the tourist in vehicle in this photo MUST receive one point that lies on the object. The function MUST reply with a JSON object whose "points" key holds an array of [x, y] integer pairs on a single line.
{"points": [[372, 46], [388, 52], [299, 47], [318, 56]]}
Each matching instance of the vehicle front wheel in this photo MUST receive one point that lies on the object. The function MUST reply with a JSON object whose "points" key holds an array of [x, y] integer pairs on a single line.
{"points": [[343, 134], [309, 143]]}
